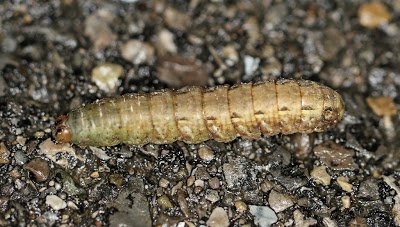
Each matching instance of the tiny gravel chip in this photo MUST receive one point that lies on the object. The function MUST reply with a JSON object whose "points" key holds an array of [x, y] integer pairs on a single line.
{"points": [[55, 202]]}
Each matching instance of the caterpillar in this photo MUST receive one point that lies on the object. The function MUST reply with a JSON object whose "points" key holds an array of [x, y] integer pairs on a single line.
{"points": [[195, 114]]}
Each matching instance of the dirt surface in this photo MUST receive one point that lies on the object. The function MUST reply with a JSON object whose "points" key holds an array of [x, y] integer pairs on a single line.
{"points": [[57, 56]]}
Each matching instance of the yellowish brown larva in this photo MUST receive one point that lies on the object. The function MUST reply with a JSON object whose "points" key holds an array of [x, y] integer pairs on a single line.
{"points": [[195, 115]]}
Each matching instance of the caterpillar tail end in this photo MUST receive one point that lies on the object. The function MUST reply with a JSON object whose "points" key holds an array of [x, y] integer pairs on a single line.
{"points": [[61, 132]]}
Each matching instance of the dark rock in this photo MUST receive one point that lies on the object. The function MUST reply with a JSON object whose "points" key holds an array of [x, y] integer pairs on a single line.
{"points": [[335, 156], [132, 205], [39, 167], [369, 189], [239, 173]]}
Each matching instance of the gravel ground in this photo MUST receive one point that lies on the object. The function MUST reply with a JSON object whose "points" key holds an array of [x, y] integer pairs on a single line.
{"points": [[59, 55]]}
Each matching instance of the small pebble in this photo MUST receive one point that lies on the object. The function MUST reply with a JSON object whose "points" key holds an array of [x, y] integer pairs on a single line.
{"points": [[344, 184], [206, 153], [183, 203], [39, 167], [382, 105], [301, 222], [328, 222], [95, 174], [369, 189], [374, 14], [235, 173], [72, 205], [303, 144], [57, 186], [320, 175], [8, 44], [272, 69], [165, 43], [164, 202], [250, 64], [4, 154], [39, 134], [21, 140], [177, 187], [335, 156], [251, 25], [263, 215], [218, 218], [176, 19], [240, 206], [50, 150], [106, 76], [64, 218], [100, 153], [116, 179], [266, 186], [190, 181], [212, 196], [279, 202], [19, 184], [230, 54], [163, 183], [20, 157], [198, 189], [214, 183], [332, 41], [15, 173], [346, 201], [199, 183], [98, 30], [55, 202], [202, 173], [137, 52]]}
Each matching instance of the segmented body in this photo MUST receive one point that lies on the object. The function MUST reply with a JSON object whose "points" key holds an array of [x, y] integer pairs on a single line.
{"points": [[195, 114]]}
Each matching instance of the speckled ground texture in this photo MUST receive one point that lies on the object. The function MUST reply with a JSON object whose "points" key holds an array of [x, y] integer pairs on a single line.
{"points": [[59, 55]]}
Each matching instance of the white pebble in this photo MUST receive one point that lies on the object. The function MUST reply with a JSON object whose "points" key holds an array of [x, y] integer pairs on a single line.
{"points": [[106, 76], [55, 202], [206, 153], [263, 215], [137, 52], [199, 183], [218, 218], [320, 175]]}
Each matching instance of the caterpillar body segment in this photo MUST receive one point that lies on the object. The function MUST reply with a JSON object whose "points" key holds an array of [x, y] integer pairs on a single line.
{"points": [[217, 114], [194, 114]]}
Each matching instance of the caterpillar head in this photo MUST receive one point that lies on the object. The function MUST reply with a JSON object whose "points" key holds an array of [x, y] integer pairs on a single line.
{"points": [[61, 132]]}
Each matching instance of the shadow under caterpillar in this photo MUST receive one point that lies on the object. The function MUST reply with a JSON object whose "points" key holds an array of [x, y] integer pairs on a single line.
{"points": [[194, 114]]}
